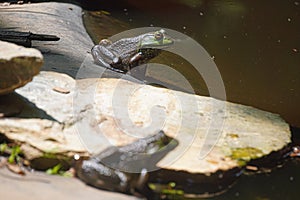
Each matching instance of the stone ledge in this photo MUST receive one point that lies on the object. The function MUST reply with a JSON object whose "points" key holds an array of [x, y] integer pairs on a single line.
{"points": [[17, 65]]}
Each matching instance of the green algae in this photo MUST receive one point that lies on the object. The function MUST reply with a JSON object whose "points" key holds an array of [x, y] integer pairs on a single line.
{"points": [[244, 155]]}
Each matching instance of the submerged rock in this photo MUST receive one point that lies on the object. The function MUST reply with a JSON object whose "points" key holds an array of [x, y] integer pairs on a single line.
{"points": [[17, 65]]}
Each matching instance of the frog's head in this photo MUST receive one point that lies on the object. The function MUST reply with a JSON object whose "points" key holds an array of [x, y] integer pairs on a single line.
{"points": [[156, 40]]}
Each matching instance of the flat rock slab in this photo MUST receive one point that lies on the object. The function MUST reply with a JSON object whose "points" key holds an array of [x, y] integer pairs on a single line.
{"points": [[213, 135], [17, 65], [64, 116], [47, 187]]}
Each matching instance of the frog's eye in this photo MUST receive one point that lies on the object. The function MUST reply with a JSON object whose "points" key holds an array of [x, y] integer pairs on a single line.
{"points": [[158, 35]]}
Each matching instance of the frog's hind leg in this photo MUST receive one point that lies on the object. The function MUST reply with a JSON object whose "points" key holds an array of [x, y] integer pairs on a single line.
{"points": [[103, 57]]}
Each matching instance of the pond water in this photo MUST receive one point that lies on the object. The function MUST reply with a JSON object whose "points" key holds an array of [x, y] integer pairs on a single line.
{"points": [[256, 47]]}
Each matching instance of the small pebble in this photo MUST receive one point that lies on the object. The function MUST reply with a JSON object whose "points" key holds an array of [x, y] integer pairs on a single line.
{"points": [[3, 161], [15, 169], [252, 168]]}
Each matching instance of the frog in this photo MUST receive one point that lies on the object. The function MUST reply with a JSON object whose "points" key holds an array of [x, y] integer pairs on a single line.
{"points": [[116, 168], [127, 53]]}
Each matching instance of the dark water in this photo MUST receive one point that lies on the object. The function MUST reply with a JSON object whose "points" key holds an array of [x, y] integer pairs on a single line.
{"points": [[256, 47]]}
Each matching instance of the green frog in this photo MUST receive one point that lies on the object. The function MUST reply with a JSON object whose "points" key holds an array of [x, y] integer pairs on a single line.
{"points": [[125, 169], [125, 54]]}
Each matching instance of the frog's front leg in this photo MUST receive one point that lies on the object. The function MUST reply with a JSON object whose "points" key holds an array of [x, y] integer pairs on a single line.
{"points": [[139, 187], [137, 70]]}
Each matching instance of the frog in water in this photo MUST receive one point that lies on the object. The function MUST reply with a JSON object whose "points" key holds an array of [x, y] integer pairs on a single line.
{"points": [[125, 169], [125, 54]]}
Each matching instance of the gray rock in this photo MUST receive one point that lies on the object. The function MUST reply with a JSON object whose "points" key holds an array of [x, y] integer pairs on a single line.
{"points": [[105, 112], [17, 65], [60, 19], [42, 186]]}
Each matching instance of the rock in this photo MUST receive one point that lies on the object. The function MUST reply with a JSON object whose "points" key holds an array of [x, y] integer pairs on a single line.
{"points": [[43, 127], [37, 185], [125, 107], [105, 112], [63, 20], [18, 66]]}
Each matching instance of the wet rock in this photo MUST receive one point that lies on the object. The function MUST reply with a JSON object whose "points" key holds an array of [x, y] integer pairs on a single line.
{"points": [[17, 65]]}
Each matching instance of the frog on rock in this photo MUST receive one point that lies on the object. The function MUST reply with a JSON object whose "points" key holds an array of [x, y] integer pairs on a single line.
{"points": [[127, 53], [126, 168]]}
